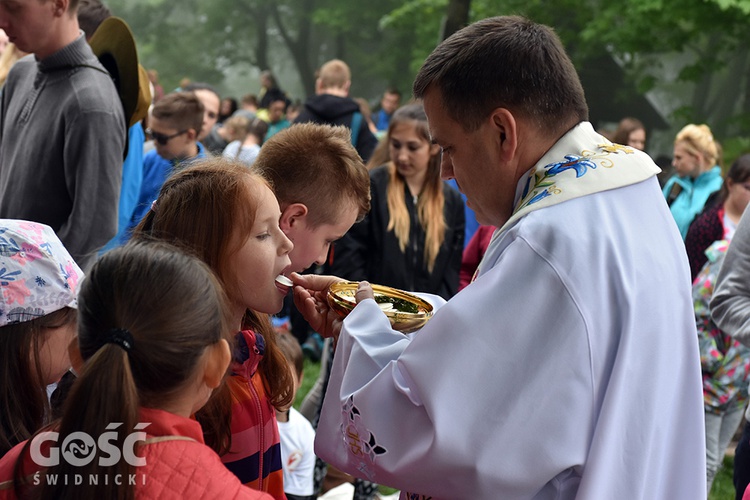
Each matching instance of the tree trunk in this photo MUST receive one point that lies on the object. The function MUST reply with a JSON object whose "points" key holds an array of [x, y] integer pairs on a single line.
{"points": [[261, 33], [456, 17], [299, 47]]}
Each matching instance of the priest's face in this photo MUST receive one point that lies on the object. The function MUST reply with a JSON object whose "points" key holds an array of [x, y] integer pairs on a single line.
{"points": [[474, 159]]}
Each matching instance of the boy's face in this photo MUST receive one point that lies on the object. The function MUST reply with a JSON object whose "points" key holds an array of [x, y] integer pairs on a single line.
{"points": [[390, 102], [181, 142], [211, 103], [311, 244]]}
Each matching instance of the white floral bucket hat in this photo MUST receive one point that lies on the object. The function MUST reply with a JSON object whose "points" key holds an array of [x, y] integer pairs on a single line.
{"points": [[37, 274]]}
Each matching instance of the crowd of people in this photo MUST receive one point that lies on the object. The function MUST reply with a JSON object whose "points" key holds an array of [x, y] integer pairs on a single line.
{"points": [[590, 335]]}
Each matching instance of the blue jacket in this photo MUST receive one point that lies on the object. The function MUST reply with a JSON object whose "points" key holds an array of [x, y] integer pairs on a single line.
{"points": [[692, 198], [132, 176], [382, 120], [155, 171]]}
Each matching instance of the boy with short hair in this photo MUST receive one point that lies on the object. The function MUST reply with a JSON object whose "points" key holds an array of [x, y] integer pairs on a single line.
{"points": [[296, 432], [175, 123], [323, 188], [331, 104], [321, 184]]}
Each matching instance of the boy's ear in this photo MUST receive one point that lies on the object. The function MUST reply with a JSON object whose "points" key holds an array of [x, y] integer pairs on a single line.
{"points": [[292, 216], [218, 357], [192, 134]]}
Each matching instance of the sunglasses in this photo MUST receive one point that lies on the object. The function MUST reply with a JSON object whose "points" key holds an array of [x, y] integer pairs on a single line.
{"points": [[163, 139]]}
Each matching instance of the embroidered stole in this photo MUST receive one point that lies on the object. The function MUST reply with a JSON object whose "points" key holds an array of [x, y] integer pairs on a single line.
{"points": [[597, 165]]}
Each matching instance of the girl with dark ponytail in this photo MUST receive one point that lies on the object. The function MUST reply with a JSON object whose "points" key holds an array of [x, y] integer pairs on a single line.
{"points": [[152, 332]]}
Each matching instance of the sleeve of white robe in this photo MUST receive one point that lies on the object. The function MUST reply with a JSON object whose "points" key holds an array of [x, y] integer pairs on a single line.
{"points": [[446, 411]]}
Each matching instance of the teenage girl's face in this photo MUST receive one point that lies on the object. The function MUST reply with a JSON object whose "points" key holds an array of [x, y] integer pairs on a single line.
{"points": [[410, 152], [263, 256], [53, 355], [637, 139]]}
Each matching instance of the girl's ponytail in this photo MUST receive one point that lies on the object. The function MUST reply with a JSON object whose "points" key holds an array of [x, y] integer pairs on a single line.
{"points": [[147, 314], [104, 400]]}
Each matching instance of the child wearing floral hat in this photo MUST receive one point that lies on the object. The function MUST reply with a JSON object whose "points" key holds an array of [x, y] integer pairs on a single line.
{"points": [[38, 290]]}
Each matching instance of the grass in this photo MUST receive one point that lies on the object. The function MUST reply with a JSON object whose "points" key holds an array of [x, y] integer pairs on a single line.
{"points": [[723, 488], [309, 376]]}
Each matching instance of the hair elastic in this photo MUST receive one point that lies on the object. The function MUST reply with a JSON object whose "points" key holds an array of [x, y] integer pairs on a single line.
{"points": [[121, 337]]}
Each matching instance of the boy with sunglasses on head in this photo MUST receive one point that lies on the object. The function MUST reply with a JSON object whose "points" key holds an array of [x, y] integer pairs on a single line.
{"points": [[174, 125]]}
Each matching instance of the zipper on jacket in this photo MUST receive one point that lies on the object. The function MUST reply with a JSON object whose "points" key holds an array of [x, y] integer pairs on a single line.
{"points": [[414, 237], [260, 433]]}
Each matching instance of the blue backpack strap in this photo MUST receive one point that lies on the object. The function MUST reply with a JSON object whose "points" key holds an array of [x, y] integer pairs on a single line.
{"points": [[355, 126]]}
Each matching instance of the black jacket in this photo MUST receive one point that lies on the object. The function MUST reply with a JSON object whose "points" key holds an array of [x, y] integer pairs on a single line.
{"points": [[335, 110], [368, 252]]}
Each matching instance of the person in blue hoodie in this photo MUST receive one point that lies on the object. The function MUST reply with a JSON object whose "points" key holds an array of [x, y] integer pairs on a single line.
{"points": [[697, 177]]}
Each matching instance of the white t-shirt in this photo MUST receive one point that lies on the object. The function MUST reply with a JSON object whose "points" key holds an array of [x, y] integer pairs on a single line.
{"points": [[297, 454], [245, 154]]}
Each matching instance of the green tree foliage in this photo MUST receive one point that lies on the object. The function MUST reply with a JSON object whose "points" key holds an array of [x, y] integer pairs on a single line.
{"points": [[201, 39], [692, 49]]}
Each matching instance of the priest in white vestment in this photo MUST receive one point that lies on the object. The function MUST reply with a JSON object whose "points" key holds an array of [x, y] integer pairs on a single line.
{"points": [[568, 369]]}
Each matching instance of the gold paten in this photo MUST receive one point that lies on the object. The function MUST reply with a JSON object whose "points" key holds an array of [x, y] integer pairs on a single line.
{"points": [[341, 299]]}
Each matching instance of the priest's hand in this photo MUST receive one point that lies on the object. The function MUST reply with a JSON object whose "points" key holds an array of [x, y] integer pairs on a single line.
{"points": [[364, 291], [310, 292]]}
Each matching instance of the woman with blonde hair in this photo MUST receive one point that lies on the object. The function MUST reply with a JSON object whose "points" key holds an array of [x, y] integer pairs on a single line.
{"points": [[412, 238], [698, 176]]}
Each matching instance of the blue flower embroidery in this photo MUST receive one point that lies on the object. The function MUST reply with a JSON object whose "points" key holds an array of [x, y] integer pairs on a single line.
{"points": [[539, 197], [579, 163]]}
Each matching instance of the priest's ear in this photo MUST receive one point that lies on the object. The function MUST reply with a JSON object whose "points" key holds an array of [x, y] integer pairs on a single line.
{"points": [[506, 130]]}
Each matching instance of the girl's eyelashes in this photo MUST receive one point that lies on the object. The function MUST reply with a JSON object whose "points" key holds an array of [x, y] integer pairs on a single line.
{"points": [[264, 236]]}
